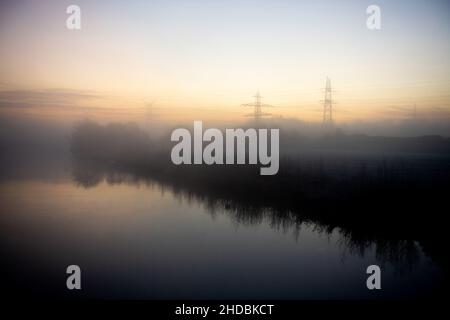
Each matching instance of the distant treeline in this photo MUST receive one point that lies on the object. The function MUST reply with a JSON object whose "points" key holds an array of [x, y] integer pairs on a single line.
{"points": [[374, 189]]}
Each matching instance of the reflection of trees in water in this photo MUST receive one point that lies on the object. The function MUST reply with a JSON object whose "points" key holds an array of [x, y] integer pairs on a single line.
{"points": [[401, 253], [376, 202]]}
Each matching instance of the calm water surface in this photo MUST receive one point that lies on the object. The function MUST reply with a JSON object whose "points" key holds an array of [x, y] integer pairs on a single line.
{"points": [[145, 241]]}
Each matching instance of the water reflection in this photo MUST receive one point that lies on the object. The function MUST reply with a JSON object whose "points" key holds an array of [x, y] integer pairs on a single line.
{"points": [[377, 196], [147, 236], [143, 228], [356, 237]]}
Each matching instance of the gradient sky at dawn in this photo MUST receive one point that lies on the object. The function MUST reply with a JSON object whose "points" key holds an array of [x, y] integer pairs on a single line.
{"points": [[211, 56]]}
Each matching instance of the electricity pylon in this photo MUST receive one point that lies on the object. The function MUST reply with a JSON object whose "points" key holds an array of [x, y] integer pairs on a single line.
{"points": [[328, 105], [257, 114], [148, 110]]}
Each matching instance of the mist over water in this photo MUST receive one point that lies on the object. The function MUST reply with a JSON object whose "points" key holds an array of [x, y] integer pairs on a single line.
{"points": [[107, 197], [91, 92]]}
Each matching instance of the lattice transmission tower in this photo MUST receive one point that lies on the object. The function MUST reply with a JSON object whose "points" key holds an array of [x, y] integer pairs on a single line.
{"points": [[258, 105], [328, 105]]}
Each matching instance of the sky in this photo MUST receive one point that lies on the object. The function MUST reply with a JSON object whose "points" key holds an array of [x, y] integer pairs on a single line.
{"points": [[193, 58]]}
